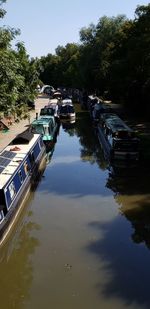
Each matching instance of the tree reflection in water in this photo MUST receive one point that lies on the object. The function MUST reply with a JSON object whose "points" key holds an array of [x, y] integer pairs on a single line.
{"points": [[131, 188], [91, 150]]}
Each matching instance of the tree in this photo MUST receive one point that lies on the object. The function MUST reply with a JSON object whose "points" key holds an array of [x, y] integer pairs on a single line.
{"points": [[18, 74]]}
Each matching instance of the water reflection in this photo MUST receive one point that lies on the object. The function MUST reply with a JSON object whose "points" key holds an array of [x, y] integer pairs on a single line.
{"points": [[63, 176], [123, 266], [51, 148], [91, 150], [69, 127], [126, 264], [16, 265], [91, 247], [131, 188]]}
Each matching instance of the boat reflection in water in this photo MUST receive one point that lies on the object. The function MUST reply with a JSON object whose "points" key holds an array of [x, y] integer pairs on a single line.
{"points": [[51, 148], [15, 258], [131, 192], [69, 126]]}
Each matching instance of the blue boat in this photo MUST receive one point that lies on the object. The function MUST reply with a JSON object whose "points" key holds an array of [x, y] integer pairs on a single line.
{"points": [[20, 164]]}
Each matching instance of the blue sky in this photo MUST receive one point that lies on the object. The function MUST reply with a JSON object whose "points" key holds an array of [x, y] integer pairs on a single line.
{"points": [[46, 24]]}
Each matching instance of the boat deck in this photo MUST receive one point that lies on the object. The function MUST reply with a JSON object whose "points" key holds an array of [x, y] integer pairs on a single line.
{"points": [[11, 157]]}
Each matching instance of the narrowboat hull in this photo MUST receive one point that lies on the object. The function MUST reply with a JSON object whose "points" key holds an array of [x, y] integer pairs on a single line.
{"points": [[19, 200], [67, 116], [112, 154], [104, 143]]}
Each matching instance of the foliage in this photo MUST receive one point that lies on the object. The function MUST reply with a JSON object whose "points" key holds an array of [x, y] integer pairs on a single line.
{"points": [[113, 56], [18, 74]]}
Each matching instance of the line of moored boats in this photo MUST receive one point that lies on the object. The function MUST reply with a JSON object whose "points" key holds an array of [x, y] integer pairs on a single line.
{"points": [[118, 140], [23, 159]]}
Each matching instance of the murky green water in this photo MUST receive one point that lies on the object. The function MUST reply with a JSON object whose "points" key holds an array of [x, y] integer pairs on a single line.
{"points": [[83, 238]]}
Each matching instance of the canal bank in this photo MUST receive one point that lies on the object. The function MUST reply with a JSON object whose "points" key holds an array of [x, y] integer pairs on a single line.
{"points": [[83, 238], [23, 124]]}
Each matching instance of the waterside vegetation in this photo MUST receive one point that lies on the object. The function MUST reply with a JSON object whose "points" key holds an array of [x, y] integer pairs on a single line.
{"points": [[111, 59]]}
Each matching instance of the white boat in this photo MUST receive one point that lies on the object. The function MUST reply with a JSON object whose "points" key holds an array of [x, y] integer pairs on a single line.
{"points": [[20, 163]]}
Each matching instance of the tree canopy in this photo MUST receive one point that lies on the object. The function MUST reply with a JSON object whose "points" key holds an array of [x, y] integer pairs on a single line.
{"points": [[113, 56], [18, 73]]}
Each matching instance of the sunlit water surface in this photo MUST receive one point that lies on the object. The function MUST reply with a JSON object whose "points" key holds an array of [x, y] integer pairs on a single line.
{"points": [[83, 237]]}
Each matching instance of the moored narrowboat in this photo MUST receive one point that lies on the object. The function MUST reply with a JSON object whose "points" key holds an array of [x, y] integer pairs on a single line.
{"points": [[50, 110], [117, 139], [20, 163], [66, 110], [47, 126]]}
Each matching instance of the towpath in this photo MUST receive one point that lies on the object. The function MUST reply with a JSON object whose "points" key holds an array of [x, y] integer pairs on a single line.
{"points": [[17, 128]]}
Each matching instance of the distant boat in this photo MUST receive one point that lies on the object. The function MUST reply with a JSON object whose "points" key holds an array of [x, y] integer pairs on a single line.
{"points": [[47, 89], [20, 163], [119, 142], [50, 109], [66, 110]]}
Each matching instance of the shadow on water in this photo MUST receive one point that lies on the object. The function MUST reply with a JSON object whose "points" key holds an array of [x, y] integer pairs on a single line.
{"points": [[126, 265], [124, 248], [123, 251], [132, 194], [16, 265]]}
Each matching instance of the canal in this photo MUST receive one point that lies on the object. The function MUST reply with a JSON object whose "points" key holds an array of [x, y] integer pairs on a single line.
{"points": [[83, 237]]}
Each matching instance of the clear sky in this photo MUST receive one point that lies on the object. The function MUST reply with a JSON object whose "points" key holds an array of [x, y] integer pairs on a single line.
{"points": [[45, 24]]}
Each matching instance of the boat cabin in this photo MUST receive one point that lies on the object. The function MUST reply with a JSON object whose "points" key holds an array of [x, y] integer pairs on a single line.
{"points": [[120, 140], [19, 163], [47, 127], [66, 110]]}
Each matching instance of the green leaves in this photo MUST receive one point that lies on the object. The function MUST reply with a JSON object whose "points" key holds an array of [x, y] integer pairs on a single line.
{"points": [[18, 74]]}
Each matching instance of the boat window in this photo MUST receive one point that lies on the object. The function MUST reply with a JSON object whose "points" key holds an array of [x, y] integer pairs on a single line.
{"points": [[47, 111], [31, 158], [106, 131], [2, 203], [12, 190], [26, 168], [63, 109], [50, 128], [38, 129], [1, 216], [124, 134], [46, 130], [41, 143], [126, 146], [20, 176], [70, 109], [2, 197]]}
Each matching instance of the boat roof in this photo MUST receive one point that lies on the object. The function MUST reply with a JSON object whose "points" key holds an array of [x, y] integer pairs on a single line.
{"points": [[66, 107], [53, 101], [115, 123], [23, 138], [12, 156], [51, 105], [43, 120], [67, 101]]}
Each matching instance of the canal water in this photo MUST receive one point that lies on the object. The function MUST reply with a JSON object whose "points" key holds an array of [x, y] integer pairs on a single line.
{"points": [[83, 237]]}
